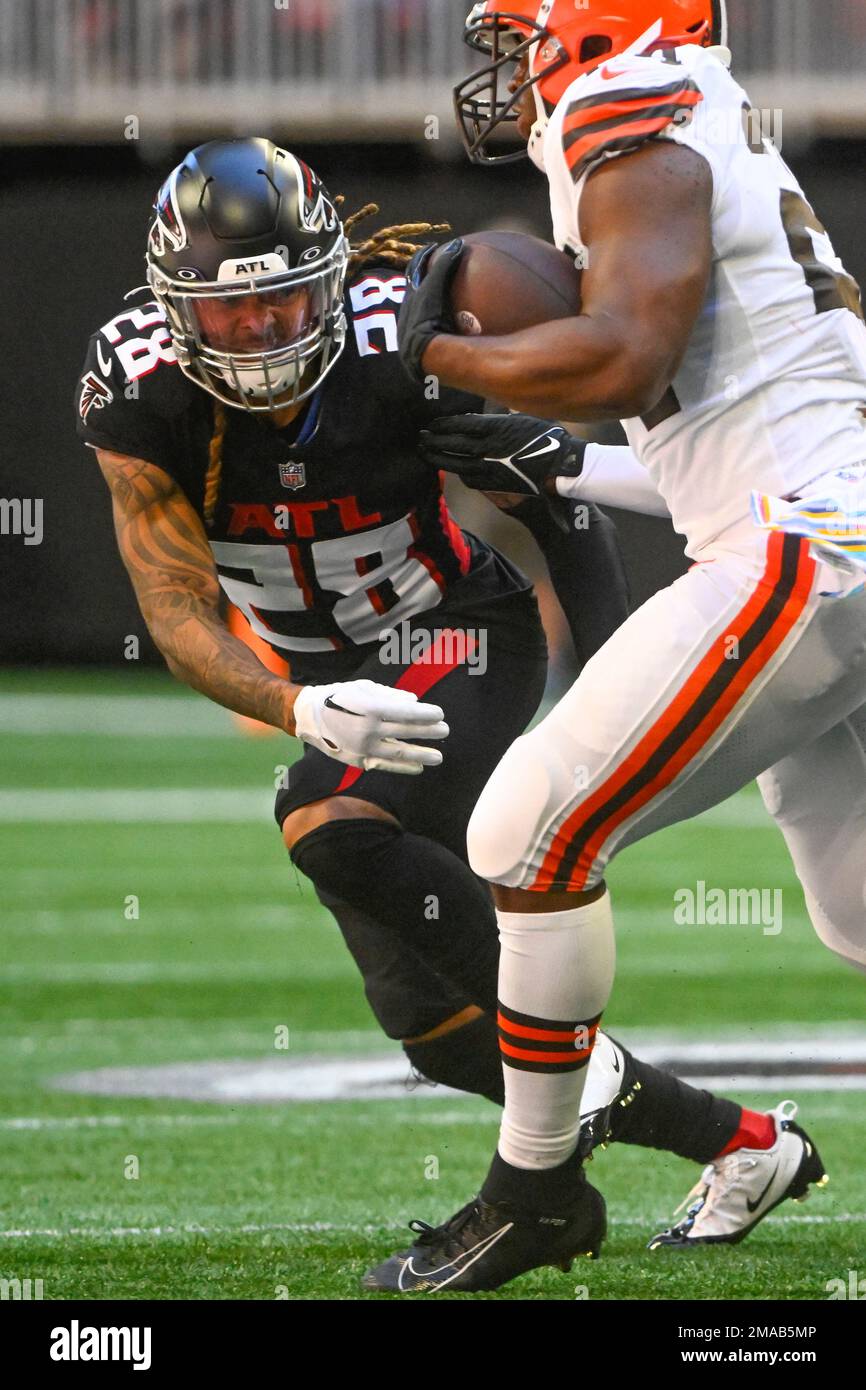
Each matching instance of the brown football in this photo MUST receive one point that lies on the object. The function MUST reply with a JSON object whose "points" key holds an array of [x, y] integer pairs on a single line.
{"points": [[507, 281]]}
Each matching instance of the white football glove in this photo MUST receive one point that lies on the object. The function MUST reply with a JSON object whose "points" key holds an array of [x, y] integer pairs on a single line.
{"points": [[365, 725]]}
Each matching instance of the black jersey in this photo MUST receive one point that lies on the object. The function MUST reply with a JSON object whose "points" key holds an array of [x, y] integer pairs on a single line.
{"points": [[324, 533]]}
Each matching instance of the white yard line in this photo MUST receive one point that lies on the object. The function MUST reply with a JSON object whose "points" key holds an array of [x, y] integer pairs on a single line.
{"points": [[846, 1031], [100, 1232], [70, 1029], [327, 1227], [43, 1122], [279, 914], [155, 972], [134, 806], [121, 716], [110, 921], [36, 1124]]}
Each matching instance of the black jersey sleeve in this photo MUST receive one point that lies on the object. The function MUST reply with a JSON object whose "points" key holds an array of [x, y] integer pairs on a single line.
{"points": [[131, 393], [112, 413]]}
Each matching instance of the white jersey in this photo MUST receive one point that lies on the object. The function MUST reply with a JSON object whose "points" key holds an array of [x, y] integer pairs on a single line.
{"points": [[770, 391]]}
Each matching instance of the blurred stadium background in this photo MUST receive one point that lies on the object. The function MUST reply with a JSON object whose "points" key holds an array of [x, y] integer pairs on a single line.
{"points": [[116, 785], [98, 99]]}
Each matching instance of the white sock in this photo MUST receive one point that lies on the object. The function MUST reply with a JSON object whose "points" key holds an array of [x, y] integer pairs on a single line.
{"points": [[556, 971]]}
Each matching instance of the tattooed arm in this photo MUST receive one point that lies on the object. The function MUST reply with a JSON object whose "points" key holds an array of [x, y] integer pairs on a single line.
{"points": [[164, 547]]}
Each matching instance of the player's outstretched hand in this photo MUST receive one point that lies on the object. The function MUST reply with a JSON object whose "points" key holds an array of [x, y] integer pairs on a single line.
{"points": [[367, 725], [426, 309], [502, 453]]}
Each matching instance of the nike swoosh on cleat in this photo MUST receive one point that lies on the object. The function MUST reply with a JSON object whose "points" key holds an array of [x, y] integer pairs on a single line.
{"points": [[476, 1252], [753, 1206]]}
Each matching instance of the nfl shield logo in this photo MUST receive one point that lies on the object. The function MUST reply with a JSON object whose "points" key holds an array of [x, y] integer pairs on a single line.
{"points": [[293, 474]]}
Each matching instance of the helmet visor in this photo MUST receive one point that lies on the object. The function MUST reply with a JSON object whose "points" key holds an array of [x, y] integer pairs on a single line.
{"points": [[259, 341], [258, 321]]}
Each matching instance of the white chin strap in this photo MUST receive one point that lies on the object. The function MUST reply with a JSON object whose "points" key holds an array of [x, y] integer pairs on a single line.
{"points": [[255, 383], [535, 143]]}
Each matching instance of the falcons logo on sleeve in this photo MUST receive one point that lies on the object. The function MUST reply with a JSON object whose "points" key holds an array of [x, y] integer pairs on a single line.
{"points": [[94, 392]]}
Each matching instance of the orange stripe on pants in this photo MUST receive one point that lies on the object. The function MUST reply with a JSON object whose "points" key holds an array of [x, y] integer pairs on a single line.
{"points": [[710, 666]]}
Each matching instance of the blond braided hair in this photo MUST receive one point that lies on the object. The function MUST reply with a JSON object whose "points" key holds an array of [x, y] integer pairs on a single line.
{"points": [[389, 244], [393, 245], [215, 461]]}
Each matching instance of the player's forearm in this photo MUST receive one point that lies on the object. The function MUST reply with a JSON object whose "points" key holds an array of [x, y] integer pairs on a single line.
{"points": [[612, 476], [200, 651], [576, 369]]}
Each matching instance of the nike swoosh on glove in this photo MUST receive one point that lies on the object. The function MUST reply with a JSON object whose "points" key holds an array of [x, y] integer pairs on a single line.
{"points": [[502, 453], [366, 725], [426, 309]]}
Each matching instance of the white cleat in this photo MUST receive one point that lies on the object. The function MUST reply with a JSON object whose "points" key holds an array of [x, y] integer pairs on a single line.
{"points": [[734, 1193], [611, 1086]]}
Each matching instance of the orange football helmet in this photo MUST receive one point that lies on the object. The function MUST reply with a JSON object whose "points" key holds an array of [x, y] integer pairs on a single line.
{"points": [[561, 40]]}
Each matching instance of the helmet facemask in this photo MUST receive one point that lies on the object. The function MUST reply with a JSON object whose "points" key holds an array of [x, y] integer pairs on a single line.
{"points": [[576, 39], [480, 107], [258, 341]]}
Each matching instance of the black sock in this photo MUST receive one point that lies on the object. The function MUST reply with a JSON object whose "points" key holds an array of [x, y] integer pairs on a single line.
{"points": [[667, 1113], [467, 1058], [416, 888], [535, 1190]]}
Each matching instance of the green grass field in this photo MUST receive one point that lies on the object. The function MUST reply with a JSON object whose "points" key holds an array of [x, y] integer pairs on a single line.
{"points": [[120, 787]]}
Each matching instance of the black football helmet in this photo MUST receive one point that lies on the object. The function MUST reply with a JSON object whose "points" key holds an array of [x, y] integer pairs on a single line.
{"points": [[248, 257]]}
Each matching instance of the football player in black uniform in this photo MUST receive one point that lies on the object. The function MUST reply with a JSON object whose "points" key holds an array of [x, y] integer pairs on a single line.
{"points": [[259, 437]]}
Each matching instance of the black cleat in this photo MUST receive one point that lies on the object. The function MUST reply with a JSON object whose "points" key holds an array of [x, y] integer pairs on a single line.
{"points": [[486, 1244]]}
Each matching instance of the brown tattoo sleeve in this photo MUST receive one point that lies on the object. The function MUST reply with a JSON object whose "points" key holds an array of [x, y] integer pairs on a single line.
{"points": [[165, 550]]}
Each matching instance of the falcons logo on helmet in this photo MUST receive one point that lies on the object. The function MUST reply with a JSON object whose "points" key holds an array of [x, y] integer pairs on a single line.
{"points": [[167, 233], [94, 392], [317, 211]]}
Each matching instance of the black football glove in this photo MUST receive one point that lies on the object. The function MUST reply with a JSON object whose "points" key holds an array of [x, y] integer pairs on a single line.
{"points": [[502, 453], [426, 310]]}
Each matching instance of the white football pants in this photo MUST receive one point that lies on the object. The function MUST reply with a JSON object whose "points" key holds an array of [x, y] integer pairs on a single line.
{"points": [[753, 664]]}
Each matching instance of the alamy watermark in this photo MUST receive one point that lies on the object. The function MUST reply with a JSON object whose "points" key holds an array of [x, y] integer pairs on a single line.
{"points": [[404, 645], [22, 516], [853, 1287], [21, 1290], [761, 125], [729, 907], [77, 1343]]}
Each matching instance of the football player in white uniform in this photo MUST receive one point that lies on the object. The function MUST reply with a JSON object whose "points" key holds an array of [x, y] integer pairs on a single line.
{"points": [[719, 325]]}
